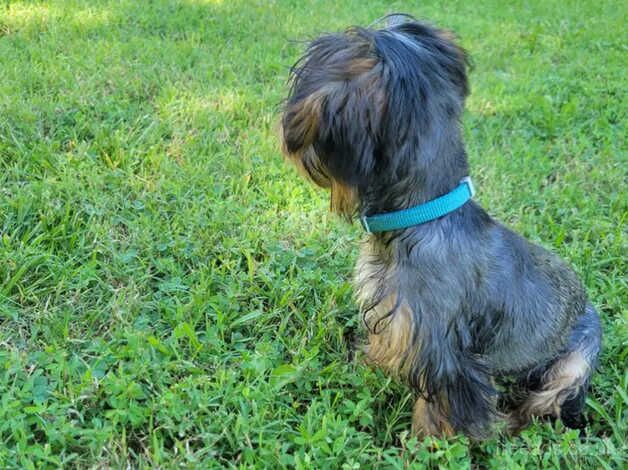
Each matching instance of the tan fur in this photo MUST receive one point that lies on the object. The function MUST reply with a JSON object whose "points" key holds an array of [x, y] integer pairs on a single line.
{"points": [[390, 345], [360, 65], [304, 121], [343, 199], [368, 276], [560, 382], [308, 157], [429, 420], [390, 334]]}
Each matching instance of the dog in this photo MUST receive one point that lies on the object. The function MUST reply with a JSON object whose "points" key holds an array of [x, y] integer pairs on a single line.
{"points": [[487, 328]]}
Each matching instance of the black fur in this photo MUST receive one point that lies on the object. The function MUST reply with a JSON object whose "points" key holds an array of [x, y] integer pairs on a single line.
{"points": [[378, 111]]}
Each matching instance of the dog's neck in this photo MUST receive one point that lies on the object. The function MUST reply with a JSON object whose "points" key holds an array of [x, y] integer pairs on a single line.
{"points": [[425, 178], [428, 175]]}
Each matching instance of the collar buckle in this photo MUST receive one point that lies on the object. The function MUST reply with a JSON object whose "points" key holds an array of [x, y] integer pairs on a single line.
{"points": [[467, 180], [365, 224]]}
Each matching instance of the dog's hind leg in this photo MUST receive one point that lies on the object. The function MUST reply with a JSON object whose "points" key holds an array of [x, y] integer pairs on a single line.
{"points": [[563, 385]]}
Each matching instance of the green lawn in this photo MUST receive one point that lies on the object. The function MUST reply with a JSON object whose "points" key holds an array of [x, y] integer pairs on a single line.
{"points": [[172, 294]]}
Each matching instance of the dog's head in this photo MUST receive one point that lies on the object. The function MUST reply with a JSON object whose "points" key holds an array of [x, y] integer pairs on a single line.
{"points": [[368, 104]]}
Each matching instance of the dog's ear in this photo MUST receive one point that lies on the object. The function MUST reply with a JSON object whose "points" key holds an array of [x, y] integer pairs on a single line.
{"points": [[332, 117], [443, 51], [458, 62]]}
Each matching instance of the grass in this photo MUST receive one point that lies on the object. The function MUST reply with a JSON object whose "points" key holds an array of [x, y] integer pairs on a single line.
{"points": [[171, 294]]}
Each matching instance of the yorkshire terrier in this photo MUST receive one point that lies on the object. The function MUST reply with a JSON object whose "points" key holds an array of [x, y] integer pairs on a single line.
{"points": [[485, 326]]}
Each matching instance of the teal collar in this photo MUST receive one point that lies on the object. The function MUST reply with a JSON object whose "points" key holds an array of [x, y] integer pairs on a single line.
{"points": [[422, 213]]}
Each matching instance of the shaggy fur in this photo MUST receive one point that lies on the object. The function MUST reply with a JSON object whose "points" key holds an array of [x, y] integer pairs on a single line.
{"points": [[456, 305]]}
